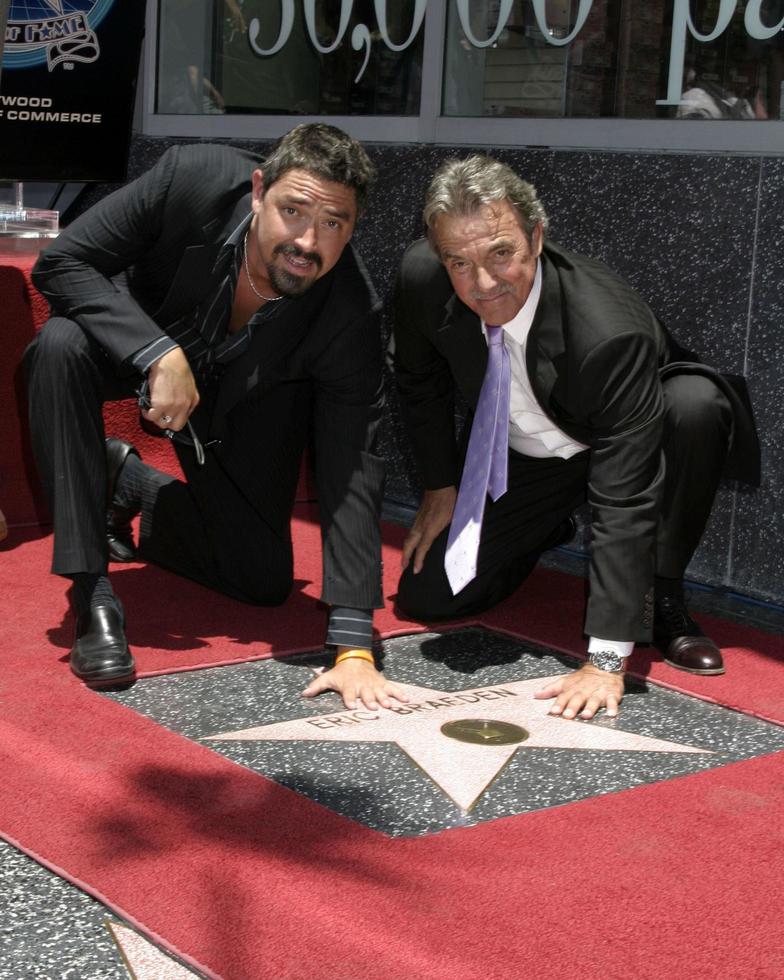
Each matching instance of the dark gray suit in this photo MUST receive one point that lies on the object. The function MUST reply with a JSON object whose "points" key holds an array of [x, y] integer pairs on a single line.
{"points": [[128, 272], [596, 358]]}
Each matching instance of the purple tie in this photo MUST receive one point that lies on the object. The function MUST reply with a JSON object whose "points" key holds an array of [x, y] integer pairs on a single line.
{"points": [[486, 464]]}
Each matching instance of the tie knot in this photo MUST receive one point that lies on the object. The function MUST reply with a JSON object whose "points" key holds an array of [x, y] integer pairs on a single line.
{"points": [[494, 334]]}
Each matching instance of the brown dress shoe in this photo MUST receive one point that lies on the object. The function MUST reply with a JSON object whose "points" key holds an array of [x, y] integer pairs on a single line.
{"points": [[682, 642]]}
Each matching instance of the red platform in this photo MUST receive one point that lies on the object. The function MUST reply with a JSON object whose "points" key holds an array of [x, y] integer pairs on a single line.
{"points": [[24, 311]]}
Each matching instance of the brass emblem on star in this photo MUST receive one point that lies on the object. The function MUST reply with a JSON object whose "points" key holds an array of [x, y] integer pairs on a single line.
{"points": [[482, 731]]}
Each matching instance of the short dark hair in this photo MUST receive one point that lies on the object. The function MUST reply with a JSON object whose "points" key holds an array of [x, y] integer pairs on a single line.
{"points": [[325, 151]]}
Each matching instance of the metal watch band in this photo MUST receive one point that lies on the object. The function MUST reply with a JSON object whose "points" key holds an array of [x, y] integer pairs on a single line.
{"points": [[607, 660]]}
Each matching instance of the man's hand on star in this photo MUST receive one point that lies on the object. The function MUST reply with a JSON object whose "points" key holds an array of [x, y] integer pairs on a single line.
{"points": [[355, 679], [584, 692]]}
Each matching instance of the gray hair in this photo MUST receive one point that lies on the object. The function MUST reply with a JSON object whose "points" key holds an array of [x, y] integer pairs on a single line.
{"points": [[462, 187]]}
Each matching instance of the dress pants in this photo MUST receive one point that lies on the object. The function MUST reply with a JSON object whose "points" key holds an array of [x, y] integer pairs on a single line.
{"points": [[542, 493], [227, 527]]}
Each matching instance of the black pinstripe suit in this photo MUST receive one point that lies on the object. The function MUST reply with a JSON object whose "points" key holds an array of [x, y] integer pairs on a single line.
{"points": [[124, 275]]}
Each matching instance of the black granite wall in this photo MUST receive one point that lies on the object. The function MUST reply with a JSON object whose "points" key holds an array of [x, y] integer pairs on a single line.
{"points": [[700, 236]]}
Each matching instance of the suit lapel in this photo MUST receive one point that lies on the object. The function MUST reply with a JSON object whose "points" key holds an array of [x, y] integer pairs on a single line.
{"points": [[463, 344], [220, 229], [546, 338], [190, 284], [275, 339], [197, 273], [271, 344]]}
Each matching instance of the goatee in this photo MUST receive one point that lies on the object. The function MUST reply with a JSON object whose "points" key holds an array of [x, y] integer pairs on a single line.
{"points": [[288, 283]]}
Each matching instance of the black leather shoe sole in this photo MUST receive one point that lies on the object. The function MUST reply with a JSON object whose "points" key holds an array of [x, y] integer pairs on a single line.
{"points": [[117, 674], [695, 670], [120, 678]]}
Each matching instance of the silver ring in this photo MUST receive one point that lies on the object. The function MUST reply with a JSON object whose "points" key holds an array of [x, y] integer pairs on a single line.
{"points": [[166, 419]]}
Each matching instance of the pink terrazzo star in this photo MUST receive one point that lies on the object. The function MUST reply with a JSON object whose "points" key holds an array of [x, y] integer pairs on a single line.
{"points": [[462, 771], [145, 961]]}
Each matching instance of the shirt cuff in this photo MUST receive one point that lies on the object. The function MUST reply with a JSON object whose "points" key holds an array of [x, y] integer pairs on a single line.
{"points": [[144, 359], [622, 647], [350, 627]]}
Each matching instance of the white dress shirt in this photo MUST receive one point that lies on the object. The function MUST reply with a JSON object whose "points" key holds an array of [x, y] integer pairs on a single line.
{"points": [[531, 431]]}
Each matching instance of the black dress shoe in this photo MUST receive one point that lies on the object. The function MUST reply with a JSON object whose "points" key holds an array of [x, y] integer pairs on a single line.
{"points": [[565, 531], [119, 534], [680, 639], [100, 655]]}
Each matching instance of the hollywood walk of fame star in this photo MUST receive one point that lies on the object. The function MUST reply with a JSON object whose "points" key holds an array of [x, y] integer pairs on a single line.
{"points": [[145, 961], [461, 770]]}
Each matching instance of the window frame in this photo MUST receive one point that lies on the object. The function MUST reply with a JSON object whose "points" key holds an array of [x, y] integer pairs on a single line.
{"points": [[430, 127]]}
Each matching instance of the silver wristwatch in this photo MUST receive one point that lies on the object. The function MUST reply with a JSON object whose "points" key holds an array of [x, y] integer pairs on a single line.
{"points": [[607, 660]]}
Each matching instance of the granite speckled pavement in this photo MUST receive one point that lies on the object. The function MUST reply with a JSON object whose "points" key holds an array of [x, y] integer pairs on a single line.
{"points": [[397, 772]]}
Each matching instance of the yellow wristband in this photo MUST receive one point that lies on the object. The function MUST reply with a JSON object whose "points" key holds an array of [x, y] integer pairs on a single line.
{"points": [[355, 655]]}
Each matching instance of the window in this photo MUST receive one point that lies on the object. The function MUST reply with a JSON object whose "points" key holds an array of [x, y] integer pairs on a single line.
{"points": [[317, 58], [614, 58], [623, 74]]}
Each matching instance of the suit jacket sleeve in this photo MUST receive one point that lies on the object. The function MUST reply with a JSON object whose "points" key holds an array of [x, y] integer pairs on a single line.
{"points": [[424, 378], [623, 406], [349, 473], [79, 274], [144, 255]]}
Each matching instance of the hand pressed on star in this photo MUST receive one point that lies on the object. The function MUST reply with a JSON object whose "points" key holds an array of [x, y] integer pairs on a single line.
{"points": [[462, 770], [357, 680], [585, 692]]}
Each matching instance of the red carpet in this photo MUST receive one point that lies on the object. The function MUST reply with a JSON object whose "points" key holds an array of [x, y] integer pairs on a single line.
{"points": [[245, 879], [22, 309], [249, 880]]}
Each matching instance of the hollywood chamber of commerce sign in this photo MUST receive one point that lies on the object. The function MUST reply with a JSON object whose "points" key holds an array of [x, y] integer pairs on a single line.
{"points": [[683, 27], [68, 78]]}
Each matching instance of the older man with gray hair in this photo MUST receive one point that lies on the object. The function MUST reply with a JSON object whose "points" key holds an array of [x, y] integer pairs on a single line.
{"points": [[577, 392]]}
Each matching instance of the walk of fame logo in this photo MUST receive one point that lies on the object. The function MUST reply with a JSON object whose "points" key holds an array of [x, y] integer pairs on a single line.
{"points": [[462, 740], [53, 32]]}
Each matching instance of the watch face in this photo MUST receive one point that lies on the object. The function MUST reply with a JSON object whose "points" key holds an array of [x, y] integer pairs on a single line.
{"points": [[606, 660]]}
